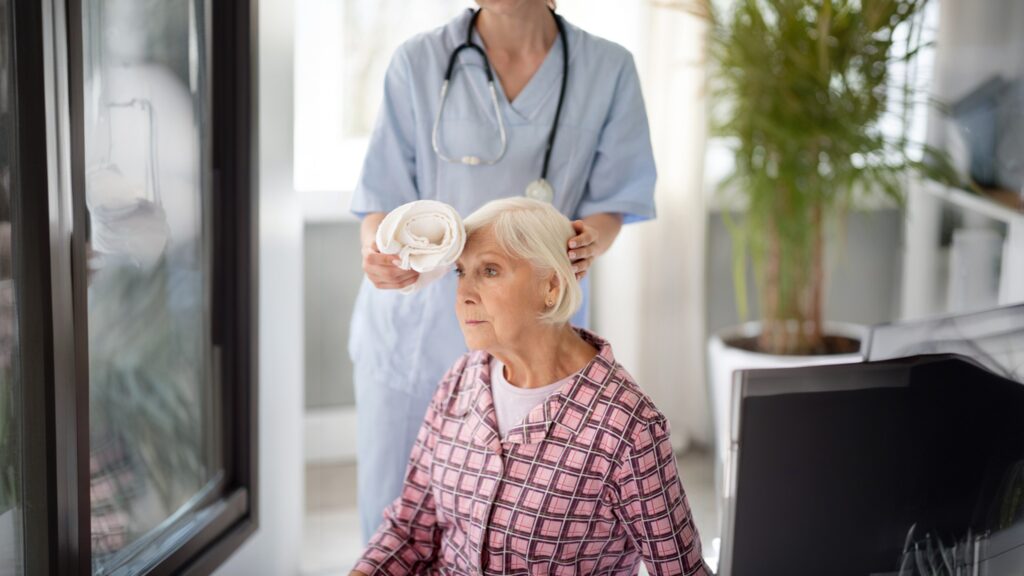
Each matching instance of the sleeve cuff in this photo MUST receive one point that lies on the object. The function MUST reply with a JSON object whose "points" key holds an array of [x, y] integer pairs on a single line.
{"points": [[361, 209], [365, 202], [632, 212]]}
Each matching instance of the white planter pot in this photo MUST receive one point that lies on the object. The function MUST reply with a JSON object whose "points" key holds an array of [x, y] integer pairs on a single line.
{"points": [[724, 360]]}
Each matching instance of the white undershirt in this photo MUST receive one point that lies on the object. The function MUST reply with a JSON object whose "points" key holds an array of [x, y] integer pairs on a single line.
{"points": [[512, 403]]}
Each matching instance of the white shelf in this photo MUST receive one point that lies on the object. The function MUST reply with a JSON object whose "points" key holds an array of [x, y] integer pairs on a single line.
{"points": [[924, 263], [976, 203]]}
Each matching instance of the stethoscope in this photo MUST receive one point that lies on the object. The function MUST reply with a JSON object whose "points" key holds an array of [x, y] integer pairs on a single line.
{"points": [[539, 189]]}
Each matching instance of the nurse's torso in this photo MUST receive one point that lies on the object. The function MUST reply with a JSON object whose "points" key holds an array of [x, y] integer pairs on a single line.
{"points": [[411, 340]]}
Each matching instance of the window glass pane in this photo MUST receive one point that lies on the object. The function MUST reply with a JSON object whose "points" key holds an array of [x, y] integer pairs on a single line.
{"points": [[11, 561], [152, 444]]}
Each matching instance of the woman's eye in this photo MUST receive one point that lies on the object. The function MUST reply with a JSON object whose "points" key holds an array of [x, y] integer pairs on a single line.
{"points": [[459, 273], [490, 271]]}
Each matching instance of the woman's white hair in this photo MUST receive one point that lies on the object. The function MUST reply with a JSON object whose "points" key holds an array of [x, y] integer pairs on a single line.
{"points": [[534, 231]]}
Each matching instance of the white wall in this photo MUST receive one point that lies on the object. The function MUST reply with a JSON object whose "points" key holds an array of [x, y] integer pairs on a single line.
{"points": [[648, 289], [274, 549], [976, 41]]}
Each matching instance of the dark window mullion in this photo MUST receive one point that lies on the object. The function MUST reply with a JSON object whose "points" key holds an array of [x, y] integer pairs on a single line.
{"points": [[236, 215], [30, 228], [57, 521]]}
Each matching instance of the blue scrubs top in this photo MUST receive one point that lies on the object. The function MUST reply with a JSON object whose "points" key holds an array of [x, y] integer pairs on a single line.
{"points": [[601, 163]]}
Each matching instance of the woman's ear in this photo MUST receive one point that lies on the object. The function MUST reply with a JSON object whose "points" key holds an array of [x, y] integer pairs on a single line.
{"points": [[554, 288]]}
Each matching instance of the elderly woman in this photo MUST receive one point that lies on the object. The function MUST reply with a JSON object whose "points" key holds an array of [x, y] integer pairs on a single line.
{"points": [[539, 453]]}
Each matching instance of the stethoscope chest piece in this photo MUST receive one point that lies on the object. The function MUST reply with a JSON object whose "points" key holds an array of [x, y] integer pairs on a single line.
{"points": [[541, 189]]}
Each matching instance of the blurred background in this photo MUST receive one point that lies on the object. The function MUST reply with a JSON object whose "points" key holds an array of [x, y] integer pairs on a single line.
{"points": [[923, 216]]}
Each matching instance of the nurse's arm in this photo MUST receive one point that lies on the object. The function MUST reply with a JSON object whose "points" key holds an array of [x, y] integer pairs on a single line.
{"points": [[381, 268], [368, 229], [595, 235]]}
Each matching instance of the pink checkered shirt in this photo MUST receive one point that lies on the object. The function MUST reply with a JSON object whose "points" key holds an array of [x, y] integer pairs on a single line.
{"points": [[586, 484]]}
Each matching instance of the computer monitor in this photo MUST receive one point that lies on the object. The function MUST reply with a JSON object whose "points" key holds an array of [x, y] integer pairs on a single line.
{"points": [[994, 338], [830, 466]]}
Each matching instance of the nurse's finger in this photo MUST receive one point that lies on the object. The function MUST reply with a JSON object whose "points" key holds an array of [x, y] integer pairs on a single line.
{"points": [[409, 281], [577, 254], [377, 259], [581, 267], [585, 235], [385, 273], [390, 275], [402, 284], [395, 284]]}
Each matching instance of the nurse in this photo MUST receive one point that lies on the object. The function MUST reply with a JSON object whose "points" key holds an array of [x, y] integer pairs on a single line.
{"points": [[563, 121]]}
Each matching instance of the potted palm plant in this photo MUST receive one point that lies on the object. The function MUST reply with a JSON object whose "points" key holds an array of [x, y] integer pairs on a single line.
{"points": [[806, 98]]}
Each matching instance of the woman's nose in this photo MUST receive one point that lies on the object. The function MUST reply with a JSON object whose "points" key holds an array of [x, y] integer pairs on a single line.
{"points": [[466, 292]]}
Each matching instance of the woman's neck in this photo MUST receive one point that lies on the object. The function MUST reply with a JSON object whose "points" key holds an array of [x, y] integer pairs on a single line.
{"points": [[551, 354], [529, 29]]}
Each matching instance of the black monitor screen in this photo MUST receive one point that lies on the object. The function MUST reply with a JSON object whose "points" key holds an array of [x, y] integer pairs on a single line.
{"points": [[835, 463]]}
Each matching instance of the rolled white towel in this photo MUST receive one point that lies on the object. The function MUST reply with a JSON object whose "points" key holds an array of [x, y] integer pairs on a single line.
{"points": [[427, 236], [125, 224]]}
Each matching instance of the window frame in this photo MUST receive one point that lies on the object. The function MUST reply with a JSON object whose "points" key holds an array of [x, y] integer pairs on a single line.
{"points": [[50, 255]]}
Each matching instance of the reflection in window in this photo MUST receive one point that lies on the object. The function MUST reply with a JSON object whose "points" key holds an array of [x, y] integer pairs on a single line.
{"points": [[11, 561], [150, 396]]}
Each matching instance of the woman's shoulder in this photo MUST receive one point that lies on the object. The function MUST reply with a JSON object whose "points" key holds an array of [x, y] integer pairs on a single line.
{"points": [[623, 410], [463, 373], [627, 393]]}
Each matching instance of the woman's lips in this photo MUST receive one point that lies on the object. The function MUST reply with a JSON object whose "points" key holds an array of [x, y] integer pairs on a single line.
{"points": [[474, 322]]}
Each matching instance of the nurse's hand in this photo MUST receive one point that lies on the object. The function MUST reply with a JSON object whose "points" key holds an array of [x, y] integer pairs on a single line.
{"points": [[594, 236], [381, 268], [382, 271], [582, 247]]}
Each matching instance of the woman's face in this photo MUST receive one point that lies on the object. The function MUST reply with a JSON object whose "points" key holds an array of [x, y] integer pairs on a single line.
{"points": [[500, 299]]}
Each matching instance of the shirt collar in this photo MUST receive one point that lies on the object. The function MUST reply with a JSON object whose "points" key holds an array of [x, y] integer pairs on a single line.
{"points": [[567, 408]]}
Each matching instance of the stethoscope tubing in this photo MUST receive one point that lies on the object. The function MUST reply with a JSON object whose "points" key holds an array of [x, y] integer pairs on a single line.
{"points": [[450, 71]]}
